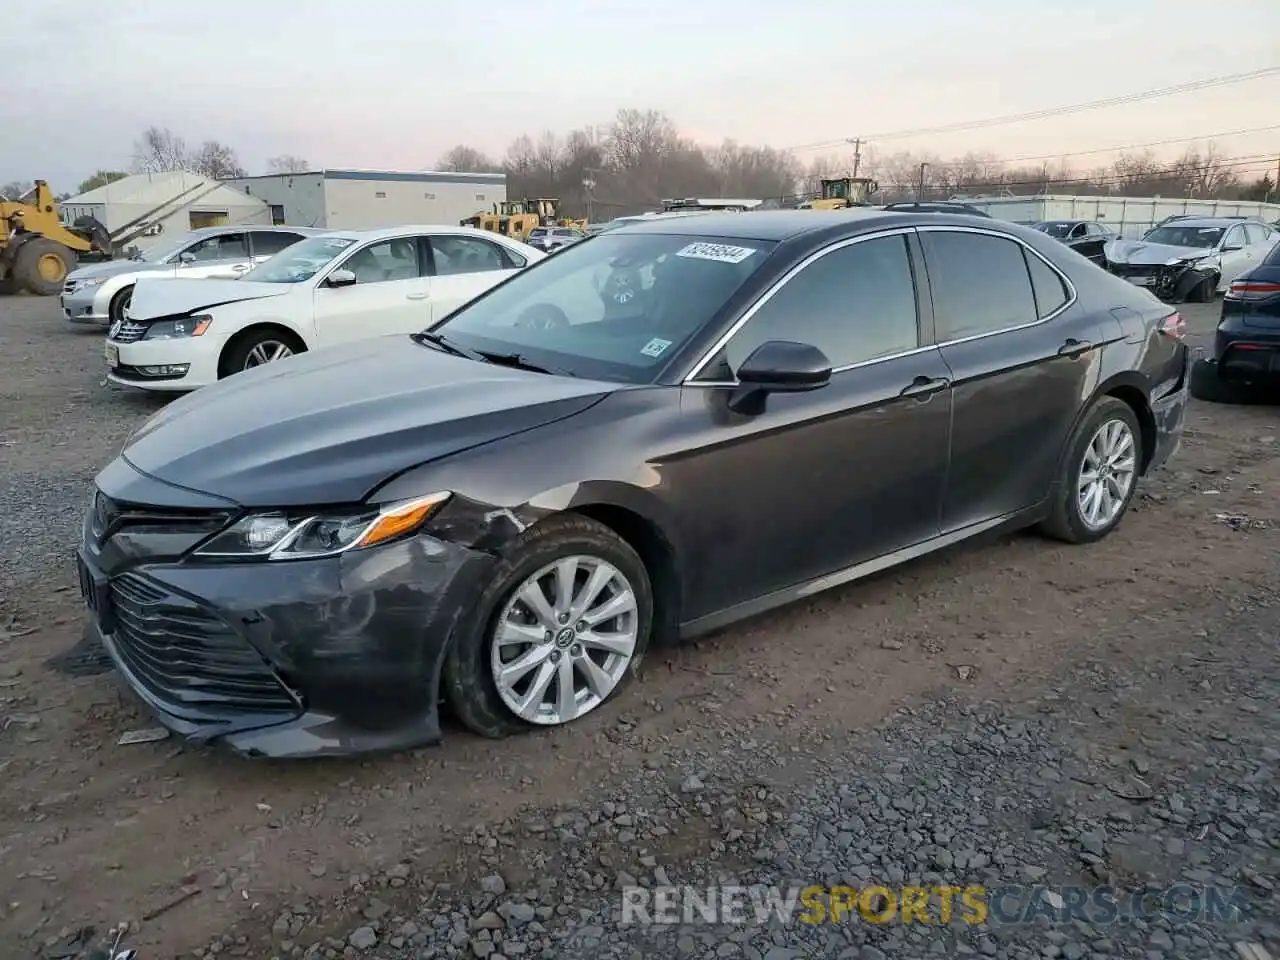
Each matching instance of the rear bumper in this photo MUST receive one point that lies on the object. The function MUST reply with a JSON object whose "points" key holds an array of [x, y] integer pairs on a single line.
{"points": [[1170, 414], [1247, 352]]}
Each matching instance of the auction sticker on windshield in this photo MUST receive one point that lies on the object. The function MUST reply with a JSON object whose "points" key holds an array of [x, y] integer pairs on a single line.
{"points": [[655, 347], [720, 252]]}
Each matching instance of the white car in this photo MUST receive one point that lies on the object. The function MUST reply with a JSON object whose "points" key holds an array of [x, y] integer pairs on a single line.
{"points": [[341, 286], [100, 292], [1191, 258]]}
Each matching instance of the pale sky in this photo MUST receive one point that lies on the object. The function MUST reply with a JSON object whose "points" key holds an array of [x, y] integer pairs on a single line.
{"points": [[390, 84]]}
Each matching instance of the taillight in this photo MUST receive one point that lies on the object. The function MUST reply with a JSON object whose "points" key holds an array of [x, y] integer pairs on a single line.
{"points": [[1252, 289], [1174, 326]]}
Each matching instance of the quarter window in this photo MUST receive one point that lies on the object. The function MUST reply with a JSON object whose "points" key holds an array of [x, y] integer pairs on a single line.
{"points": [[854, 304], [1051, 293], [454, 255], [980, 283], [385, 261]]}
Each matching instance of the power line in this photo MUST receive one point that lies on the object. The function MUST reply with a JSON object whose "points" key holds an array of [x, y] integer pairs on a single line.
{"points": [[1237, 164], [1122, 149], [1141, 97]]}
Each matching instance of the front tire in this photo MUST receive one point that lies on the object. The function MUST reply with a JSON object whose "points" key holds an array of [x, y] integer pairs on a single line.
{"points": [[560, 630], [119, 304], [41, 266], [1099, 475], [256, 347]]}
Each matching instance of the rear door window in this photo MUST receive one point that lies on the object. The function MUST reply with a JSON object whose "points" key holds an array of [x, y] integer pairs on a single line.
{"points": [[980, 283]]}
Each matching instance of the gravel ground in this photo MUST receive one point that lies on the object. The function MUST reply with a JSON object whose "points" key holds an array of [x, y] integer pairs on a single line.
{"points": [[980, 716], [1126, 772]]}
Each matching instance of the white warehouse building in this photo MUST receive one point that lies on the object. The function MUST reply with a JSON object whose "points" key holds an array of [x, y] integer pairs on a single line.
{"points": [[362, 199], [147, 207]]}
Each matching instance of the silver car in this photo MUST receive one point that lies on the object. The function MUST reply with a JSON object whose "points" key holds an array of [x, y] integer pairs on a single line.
{"points": [[99, 292]]}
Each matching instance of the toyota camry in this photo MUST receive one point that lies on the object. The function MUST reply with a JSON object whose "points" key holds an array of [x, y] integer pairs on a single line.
{"points": [[657, 432]]}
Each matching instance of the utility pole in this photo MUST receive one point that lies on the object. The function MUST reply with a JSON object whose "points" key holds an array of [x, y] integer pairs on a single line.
{"points": [[920, 182], [588, 187], [857, 154]]}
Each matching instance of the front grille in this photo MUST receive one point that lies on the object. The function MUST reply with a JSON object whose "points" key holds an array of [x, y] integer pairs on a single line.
{"points": [[110, 516], [190, 661], [130, 332], [1134, 269]]}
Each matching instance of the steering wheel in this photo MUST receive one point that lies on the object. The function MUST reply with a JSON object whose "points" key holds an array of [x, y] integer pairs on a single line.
{"points": [[542, 316]]}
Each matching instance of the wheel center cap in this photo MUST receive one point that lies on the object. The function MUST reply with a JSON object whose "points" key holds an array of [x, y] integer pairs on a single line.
{"points": [[564, 637]]}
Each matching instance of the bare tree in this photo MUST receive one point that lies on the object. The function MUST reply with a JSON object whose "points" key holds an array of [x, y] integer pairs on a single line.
{"points": [[100, 179], [215, 160], [159, 149], [287, 163], [15, 189], [464, 159]]}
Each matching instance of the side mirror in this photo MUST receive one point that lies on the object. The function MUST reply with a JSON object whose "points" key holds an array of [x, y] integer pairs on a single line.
{"points": [[779, 366], [186, 257], [1232, 247], [340, 278]]}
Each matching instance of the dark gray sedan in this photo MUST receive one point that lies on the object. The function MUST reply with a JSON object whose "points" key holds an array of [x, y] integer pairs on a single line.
{"points": [[659, 431]]}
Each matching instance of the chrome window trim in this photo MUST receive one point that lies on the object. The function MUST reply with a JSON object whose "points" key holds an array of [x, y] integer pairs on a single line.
{"points": [[769, 294], [709, 355]]}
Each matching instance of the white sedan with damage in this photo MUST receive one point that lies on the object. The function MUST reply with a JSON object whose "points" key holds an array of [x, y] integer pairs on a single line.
{"points": [[178, 335]]}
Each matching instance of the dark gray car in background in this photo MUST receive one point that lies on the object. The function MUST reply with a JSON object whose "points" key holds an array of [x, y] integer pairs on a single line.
{"points": [[659, 431]]}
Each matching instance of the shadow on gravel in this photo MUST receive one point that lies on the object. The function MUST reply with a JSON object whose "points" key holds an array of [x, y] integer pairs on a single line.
{"points": [[86, 658]]}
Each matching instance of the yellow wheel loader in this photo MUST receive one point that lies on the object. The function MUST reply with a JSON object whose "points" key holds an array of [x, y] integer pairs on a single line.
{"points": [[36, 250], [841, 192]]}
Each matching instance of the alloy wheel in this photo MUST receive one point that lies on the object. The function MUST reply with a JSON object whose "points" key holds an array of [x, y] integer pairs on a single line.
{"points": [[1107, 474], [265, 352], [564, 640]]}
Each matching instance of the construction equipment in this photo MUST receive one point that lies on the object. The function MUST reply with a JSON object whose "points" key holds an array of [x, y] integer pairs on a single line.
{"points": [[37, 250], [516, 218], [839, 193]]}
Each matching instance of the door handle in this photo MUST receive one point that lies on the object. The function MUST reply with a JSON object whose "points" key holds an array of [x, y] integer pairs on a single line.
{"points": [[415, 296], [240, 268], [1074, 348], [922, 388]]}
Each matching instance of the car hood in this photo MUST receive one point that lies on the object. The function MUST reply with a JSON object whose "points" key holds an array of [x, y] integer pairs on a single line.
{"points": [[331, 425], [1152, 254], [114, 268], [174, 297]]}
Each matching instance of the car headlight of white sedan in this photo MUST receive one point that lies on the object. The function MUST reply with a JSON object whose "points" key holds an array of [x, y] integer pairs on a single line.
{"points": [[179, 329]]}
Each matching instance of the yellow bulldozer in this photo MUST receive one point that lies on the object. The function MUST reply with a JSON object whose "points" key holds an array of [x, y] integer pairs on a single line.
{"points": [[37, 250], [516, 218], [838, 193]]}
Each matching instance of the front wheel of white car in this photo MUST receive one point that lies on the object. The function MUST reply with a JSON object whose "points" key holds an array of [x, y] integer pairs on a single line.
{"points": [[257, 346]]}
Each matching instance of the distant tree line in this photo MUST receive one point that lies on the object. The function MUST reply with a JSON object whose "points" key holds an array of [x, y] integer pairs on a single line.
{"points": [[640, 158]]}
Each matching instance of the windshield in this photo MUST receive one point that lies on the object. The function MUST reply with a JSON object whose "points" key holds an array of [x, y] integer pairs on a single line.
{"points": [[615, 307], [1060, 229], [300, 262], [1184, 236]]}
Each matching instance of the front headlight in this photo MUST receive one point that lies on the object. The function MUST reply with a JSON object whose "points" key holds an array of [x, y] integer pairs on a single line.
{"points": [[178, 329], [90, 282], [277, 535], [1190, 261]]}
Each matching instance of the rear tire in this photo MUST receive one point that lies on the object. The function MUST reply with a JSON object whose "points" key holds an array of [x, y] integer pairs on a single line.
{"points": [[1106, 444], [1208, 384], [41, 266], [468, 679]]}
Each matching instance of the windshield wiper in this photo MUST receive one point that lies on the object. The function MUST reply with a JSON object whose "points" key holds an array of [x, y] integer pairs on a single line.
{"points": [[447, 345], [520, 363]]}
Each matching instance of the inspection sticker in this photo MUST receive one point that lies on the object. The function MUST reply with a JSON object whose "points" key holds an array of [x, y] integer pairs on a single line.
{"points": [[655, 347], [720, 252]]}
